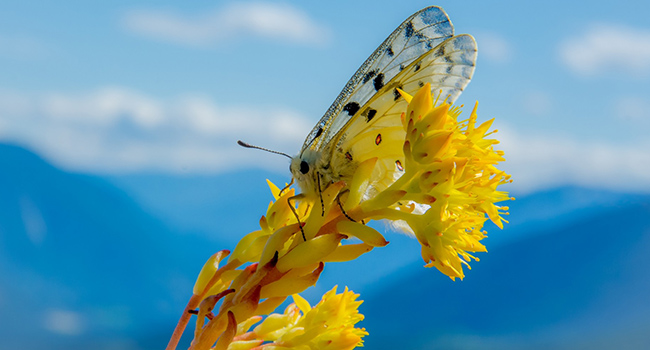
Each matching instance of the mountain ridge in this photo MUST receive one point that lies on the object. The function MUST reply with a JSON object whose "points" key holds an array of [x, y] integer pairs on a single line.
{"points": [[546, 283]]}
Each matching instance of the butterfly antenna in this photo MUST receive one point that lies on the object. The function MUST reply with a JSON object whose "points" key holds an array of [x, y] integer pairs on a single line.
{"points": [[248, 145]]}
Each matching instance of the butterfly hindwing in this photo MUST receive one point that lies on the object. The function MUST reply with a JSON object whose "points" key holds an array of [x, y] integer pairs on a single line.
{"points": [[417, 35], [448, 68]]}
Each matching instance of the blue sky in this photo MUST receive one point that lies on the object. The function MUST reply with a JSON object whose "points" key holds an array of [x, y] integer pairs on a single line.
{"points": [[162, 86]]}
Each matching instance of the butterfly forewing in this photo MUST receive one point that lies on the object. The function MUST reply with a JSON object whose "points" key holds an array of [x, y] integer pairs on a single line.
{"points": [[420, 33]]}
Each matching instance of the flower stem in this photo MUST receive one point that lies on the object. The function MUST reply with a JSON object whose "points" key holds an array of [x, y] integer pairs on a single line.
{"points": [[194, 302], [183, 321]]}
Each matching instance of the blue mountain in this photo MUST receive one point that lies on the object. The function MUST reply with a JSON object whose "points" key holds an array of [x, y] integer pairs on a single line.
{"points": [[227, 206], [576, 279], [80, 262]]}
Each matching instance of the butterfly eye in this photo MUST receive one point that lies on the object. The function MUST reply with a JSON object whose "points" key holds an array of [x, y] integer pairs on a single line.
{"points": [[304, 167]]}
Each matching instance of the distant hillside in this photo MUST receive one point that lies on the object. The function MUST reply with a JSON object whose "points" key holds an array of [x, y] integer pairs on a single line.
{"points": [[227, 205], [583, 284], [80, 260]]}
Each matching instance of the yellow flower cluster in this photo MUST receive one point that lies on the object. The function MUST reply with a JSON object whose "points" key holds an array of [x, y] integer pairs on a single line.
{"points": [[328, 326], [283, 264], [447, 190], [449, 171]]}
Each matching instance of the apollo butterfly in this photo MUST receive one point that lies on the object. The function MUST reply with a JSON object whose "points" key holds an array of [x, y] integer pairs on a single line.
{"points": [[364, 120]]}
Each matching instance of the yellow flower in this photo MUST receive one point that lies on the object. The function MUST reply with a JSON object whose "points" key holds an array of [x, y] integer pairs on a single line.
{"points": [[446, 192], [450, 183], [327, 326]]}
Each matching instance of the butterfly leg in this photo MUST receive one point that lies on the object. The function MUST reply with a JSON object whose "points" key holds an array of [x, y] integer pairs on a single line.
{"points": [[286, 187], [338, 200], [320, 195], [295, 213]]}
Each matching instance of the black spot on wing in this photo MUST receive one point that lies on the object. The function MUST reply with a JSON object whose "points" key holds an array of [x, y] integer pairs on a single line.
{"points": [[371, 114], [401, 67], [417, 67], [379, 81], [396, 94], [428, 45], [440, 51], [408, 31], [320, 131], [389, 51], [420, 83], [369, 76], [351, 108]]}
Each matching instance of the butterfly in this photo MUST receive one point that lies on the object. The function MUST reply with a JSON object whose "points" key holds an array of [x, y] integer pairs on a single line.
{"points": [[364, 120]]}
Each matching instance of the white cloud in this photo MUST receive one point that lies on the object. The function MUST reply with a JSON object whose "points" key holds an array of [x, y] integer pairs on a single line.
{"points": [[132, 131], [607, 48], [116, 129], [494, 47], [104, 107], [544, 161], [234, 21]]}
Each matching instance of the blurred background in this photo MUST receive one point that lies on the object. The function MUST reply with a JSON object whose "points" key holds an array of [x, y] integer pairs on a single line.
{"points": [[120, 176]]}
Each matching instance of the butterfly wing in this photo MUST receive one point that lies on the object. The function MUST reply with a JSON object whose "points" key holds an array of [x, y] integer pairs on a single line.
{"points": [[417, 35], [376, 129]]}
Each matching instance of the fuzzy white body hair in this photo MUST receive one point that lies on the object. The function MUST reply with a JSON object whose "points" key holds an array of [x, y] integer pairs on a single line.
{"points": [[313, 171], [307, 181]]}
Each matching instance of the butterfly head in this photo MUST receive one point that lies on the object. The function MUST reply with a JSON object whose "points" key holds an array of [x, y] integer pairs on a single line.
{"points": [[304, 168]]}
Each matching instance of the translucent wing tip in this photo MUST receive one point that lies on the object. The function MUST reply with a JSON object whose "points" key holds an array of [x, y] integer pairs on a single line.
{"points": [[432, 15]]}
